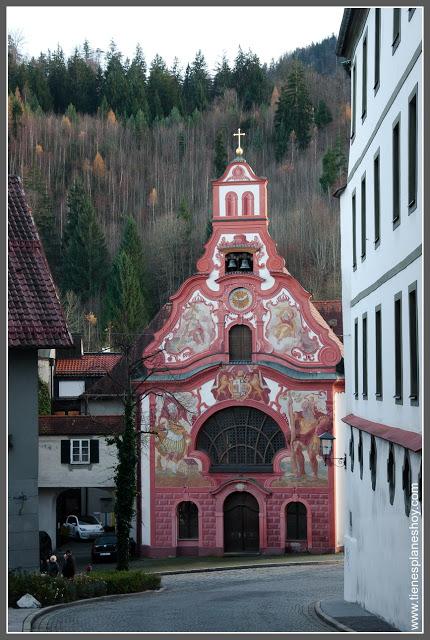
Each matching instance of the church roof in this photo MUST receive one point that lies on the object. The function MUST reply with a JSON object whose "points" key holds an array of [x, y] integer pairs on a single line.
{"points": [[35, 315], [90, 364], [113, 383]]}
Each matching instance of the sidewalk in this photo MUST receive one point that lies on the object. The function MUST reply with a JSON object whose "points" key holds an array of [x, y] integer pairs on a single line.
{"points": [[350, 616]]}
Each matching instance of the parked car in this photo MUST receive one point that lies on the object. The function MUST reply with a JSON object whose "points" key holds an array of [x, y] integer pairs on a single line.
{"points": [[82, 527], [45, 549], [105, 548]]}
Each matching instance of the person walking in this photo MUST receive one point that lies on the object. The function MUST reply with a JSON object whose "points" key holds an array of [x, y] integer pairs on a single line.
{"points": [[52, 567], [69, 567]]}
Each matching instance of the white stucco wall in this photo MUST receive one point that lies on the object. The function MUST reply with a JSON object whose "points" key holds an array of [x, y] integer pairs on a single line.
{"points": [[145, 485], [340, 448], [377, 565], [54, 474], [378, 545]]}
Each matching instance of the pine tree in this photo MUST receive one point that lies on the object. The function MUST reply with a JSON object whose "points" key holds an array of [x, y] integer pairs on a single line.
{"points": [[136, 81], [42, 206], [85, 254], [221, 159], [197, 85], [223, 78], [125, 306], [115, 85], [58, 81], [294, 112], [334, 165], [323, 115]]}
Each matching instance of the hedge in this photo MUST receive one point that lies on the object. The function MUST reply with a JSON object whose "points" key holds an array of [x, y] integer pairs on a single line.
{"points": [[49, 590]]}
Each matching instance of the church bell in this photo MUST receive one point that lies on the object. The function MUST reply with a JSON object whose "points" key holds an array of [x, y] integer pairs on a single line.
{"points": [[245, 264], [232, 264]]}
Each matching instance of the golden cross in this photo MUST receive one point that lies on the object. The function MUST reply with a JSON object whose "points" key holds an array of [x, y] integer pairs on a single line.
{"points": [[239, 149]]}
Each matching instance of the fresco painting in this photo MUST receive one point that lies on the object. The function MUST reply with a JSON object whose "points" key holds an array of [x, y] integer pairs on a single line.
{"points": [[196, 330], [308, 417], [286, 331], [173, 467], [240, 383]]}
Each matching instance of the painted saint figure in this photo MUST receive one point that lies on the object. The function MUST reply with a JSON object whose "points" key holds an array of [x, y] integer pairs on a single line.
{"points": [[172, 439]]}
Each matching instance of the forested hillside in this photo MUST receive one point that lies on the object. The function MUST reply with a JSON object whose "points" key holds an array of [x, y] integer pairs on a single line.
{"points": [[117, 161]]}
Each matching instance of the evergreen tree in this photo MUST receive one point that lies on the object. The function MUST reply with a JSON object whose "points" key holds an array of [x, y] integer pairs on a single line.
{"points": [[44, 398], [221, 159], [85, 254], [42, 206], [322, 115], [163, 90], [15, 111], [83, 84], [136, 80], [125, 306], [115, 85], [223, 78], [334, 165], [250, 80], [37, 80], [294, 112], [197, 85], [58, 81]]}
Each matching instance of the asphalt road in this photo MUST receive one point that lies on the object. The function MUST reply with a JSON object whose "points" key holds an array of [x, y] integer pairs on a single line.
{"points": [[264, 599]]}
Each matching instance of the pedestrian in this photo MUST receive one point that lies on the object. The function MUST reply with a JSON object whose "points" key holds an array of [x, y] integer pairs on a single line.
{"points": [[52, 568], [69, 567]]}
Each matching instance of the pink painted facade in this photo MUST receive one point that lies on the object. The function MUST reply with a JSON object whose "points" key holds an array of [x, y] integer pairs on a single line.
{"points": [[239, 430]]}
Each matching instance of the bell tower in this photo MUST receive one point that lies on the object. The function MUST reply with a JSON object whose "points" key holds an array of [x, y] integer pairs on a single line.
{"points": [[239, 194]]}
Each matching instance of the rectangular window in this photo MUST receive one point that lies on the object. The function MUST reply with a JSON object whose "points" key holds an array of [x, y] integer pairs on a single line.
{"points": [[398, 363], [79, 451], [70, 388], [396, 173], [377, 48], [413, 343], [376, 199], [363, 218], [354, 233], [364, 319], [378, 353], [411, 12], [412, 152], [354, 91], [364, 81], [396, 28], [356, 358]]}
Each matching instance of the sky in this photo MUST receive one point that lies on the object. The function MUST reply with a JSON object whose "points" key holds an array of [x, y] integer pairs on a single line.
{"points": [[175, 31]]}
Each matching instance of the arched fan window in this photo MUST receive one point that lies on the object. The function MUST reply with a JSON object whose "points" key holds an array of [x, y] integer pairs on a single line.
{"points": [[231, 204], [240, 343], [240, 439], [248, 204]]}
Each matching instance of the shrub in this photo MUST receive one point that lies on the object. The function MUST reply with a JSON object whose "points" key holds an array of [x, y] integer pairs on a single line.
{"points": [[129, 581], [50, 590]]}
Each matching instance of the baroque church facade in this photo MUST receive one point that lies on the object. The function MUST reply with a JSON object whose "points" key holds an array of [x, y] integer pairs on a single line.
{"points": [[244, 379]]}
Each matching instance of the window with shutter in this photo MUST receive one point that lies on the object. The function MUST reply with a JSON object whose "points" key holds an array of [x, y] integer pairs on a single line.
{"points": [[240, 343], [94, 451]]}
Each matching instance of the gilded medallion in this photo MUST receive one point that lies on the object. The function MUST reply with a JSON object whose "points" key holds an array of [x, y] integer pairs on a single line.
{"points": [[240, 299]]}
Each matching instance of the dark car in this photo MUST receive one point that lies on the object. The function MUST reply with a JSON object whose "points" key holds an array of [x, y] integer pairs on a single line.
{"points": [[45, 549], [105, 548]]}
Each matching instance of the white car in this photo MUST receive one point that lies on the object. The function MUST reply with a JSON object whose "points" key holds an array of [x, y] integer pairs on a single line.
{"points": [[83, 527]]}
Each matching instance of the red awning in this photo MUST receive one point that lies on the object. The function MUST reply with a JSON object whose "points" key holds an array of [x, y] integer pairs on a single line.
{"points": [[408, 439]]}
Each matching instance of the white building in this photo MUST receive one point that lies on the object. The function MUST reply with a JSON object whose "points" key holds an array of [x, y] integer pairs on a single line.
{"points": [[381, 232]]}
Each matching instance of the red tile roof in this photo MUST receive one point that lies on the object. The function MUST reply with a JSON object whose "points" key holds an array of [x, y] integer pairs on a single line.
{"points": [[35, 315], [80, 425], [409, 439], [90, 364]]}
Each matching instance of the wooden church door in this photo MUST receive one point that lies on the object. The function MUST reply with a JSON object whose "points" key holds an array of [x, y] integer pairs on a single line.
{"points": [[241, 523]]}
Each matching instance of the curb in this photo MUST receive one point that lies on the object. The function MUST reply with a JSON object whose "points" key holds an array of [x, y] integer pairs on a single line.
{"points": [[32, 617], [332, 621], [246, 566]]}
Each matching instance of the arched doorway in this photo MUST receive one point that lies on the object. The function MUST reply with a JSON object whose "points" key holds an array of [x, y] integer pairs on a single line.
{"points": [[296, 526], [241, 523]]}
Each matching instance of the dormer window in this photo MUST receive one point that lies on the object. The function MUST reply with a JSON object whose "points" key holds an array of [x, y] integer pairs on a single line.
{"points": [[238, 262]]}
